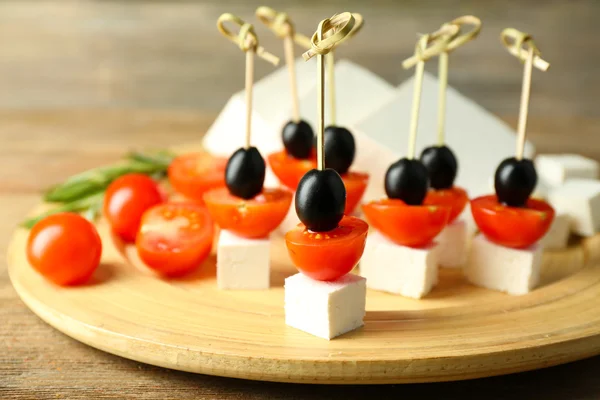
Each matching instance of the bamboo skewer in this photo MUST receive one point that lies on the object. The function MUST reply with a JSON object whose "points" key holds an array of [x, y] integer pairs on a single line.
{"points": [[339, 26], [282, 26], [439, 41], [247, 41], [531, 58]]}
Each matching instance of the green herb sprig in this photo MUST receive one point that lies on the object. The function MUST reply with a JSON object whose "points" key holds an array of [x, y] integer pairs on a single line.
{"points": [[84, 192]]}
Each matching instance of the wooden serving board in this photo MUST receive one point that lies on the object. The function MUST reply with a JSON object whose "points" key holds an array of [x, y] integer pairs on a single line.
{"points": [[458, 332]]}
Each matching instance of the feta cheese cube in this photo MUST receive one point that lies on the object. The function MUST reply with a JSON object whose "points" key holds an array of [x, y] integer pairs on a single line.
{"points": [[580, 200], [555, 169], [453, 245], [558, 234], [242, 263], [325, 309], [514, 271], [389, 267]]}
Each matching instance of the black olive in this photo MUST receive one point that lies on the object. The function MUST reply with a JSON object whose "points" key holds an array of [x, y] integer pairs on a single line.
{"points": [[442, 166], [514, 181], [407, 180], [245, 173], [339, 148], [298, 139], [321, 199]]}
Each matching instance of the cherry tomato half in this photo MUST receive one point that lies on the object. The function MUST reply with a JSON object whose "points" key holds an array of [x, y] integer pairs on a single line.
{"points": [[254, 218], [175, 238], [356, 184], [290, 170], [65, 248], [126, 199], [327, 256], [412, 226], [516, 227], [194, 174], [456, 198]]}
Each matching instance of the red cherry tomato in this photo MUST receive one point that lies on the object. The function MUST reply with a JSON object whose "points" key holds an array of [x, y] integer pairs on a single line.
{"points": [[194, 174], [65, 248], [175, 238], [516, 227], [126, 199], [456, 198], [356, 184], [412, 226], [327, 256], [254, 218], [290, 170]]}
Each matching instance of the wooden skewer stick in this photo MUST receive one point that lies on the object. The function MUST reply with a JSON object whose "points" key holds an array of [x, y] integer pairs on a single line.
{"points": [[283, 28], [531, 58], [416, 103], [439, 41], [524, 108], [443, 62], [249, 85], [340, 25], [248, 42], [330, 61]]}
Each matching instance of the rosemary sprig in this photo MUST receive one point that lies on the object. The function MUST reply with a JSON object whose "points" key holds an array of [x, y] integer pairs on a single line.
{"points": [[85, 204], [84, 192]]}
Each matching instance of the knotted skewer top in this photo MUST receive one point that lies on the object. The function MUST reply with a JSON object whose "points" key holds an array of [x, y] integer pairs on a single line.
{"points": [[330, 32], [281, 25], [246, 38], [514, 41]]}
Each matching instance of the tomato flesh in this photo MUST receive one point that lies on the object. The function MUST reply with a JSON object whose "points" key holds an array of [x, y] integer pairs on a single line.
{"points": [[126, 200], [412, 226], [290, 170], [65, 248], [356, 184], [327, 256], [455, 198], [253, 218], [516, 227], [194, 174], [175, 238]]}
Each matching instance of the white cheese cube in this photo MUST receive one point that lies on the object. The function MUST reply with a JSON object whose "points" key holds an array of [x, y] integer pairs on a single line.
{"points": [[453, 245], [580, 200], [389, 267], [325, 309], [555, 169], [514, 271], [242, 263], [558, 234]]}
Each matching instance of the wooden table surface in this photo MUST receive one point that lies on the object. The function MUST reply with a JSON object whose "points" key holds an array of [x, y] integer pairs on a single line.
{"points": [[82, 82]]}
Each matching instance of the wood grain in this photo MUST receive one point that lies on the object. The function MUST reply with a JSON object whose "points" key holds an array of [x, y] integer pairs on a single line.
{"points": [[457, 332], [61, 59]]}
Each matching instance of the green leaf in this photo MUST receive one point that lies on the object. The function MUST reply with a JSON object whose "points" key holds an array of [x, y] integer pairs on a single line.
{"points": [[93, 202]]}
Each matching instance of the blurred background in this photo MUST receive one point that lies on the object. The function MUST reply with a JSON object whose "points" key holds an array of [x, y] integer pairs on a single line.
{"points": [[168, 54], [82, 81]]}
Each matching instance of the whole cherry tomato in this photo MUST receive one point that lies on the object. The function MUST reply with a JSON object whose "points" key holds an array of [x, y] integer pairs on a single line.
{"points": [[327, 256], [65, 248], [126, 199], [254, 218], [194, 174], [412, 226], [516, 227], [455, 198], [175, 238]]}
